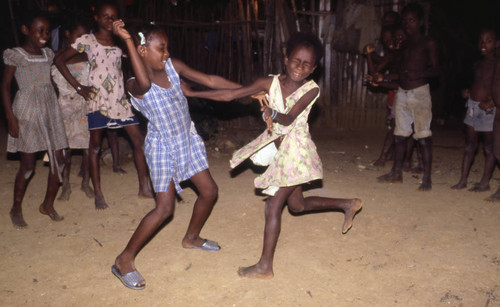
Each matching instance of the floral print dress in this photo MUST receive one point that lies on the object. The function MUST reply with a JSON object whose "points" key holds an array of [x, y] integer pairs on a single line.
{"points": [[296, 160]]}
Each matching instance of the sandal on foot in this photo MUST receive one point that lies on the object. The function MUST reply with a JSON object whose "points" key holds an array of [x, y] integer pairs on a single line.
{"points": [[208, 246], [130, 280]]}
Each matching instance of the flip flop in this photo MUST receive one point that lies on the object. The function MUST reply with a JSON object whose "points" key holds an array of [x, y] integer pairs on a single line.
{"points": [[208, 246], [130, 280]]}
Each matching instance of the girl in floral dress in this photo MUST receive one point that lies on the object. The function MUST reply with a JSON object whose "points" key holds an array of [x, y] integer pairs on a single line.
{"points": [[287, 149], [109, 107]]}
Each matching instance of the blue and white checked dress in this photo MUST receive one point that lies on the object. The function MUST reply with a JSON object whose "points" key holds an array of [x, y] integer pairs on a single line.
{"points": [[173, 148]]}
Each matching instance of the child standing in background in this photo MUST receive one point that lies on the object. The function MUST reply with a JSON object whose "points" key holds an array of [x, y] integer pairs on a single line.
{"points": [[109, 108], [288, 150], [74, 107], [480, 113], [34, 118]]}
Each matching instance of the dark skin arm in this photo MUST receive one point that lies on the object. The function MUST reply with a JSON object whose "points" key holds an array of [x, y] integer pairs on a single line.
{"points": [[60, 62], [8, 75], [141, 83], [211, 81], [261, 84]]}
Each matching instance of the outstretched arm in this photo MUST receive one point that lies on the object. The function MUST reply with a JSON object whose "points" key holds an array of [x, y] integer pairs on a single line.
{"points": [[261, 84], [141, 83], [211, 81], [8, 75]]}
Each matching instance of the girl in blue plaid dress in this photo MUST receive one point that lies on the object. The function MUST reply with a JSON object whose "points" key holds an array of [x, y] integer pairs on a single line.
{"points": [[174, 151], [34, 118]]}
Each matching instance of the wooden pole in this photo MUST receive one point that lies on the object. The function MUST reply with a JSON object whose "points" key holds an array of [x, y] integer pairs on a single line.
{"points": [[13, 22]]}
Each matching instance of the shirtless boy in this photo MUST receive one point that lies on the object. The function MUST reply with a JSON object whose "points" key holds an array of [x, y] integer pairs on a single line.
{"points": [[480, 114], [418, 63]]}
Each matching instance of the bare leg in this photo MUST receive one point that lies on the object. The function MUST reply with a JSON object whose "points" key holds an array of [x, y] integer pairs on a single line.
{"points": [[137, 138], [274, 208], [469, 152], [386, 149], [408, 159], [297, 203], [489, 164], [66, 186], [396, 173], [208, 191], [164, 208], [47, 207], [426, 144], [496, 144], [94, 150], [26, 168], [115, 150], [86, 174]]}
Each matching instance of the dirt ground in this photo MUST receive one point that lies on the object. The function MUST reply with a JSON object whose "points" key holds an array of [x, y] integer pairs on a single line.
{"points": [[406, 248]]}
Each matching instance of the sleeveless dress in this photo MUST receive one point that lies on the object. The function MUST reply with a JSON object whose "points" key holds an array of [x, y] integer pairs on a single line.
{"points": [[296, 160], [35, 104], [106, 76], [173, 148], [73, 106]]}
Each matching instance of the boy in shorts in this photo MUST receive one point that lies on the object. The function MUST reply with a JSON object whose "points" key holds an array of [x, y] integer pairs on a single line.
{"points": [[480, 113], [413, 105]]}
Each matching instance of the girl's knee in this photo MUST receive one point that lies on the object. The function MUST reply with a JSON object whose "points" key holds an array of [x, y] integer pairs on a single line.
{"points": [[164, 212], [210, 192]]}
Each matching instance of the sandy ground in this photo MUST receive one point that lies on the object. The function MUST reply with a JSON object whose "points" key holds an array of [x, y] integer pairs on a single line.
{"points": [[406, 248]]}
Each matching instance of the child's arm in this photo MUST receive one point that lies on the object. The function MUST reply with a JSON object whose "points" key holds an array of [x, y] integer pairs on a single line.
{"points": [[211, 81], [141, 83], [60, 62], [8, 75], [261, 84], [288, 118]]}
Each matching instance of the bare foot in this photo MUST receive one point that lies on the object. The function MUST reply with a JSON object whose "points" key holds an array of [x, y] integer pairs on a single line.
{"points": [[379, 162], [417, 170], [391, 178], [65, 192], [478, 187], [255, 272], [88, 190], [100, 204], [17, 219], [459, 186], [494, 197], [51, 213], [425, 186], [146, 194], [119, 170], [349, 214]]}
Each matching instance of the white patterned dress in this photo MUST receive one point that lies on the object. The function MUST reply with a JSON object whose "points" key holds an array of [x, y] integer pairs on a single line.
{"points": [[106, 76]]}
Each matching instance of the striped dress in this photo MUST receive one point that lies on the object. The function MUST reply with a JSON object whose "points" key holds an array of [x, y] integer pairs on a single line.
{"points": [[35, 104], [173, 148]]}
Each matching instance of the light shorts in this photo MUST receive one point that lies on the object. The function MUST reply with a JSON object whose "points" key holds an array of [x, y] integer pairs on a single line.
{"points": [[479, 119], [98, 121], [413, 107]]}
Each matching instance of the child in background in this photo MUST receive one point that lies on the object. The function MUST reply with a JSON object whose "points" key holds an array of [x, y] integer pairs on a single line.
{"points": [[74, 107], [174, 150], [288, 150], [34, 118], [108, 105], [480, 113]]}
